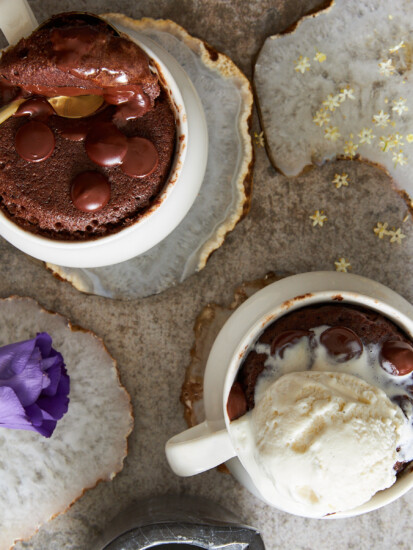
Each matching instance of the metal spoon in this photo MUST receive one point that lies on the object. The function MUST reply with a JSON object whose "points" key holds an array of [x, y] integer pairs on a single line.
{"points": [[76, 107], [64, 106]]}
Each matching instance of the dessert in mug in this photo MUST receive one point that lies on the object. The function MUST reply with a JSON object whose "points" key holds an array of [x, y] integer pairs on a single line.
{"points": [[321, 410], [80, 178]]}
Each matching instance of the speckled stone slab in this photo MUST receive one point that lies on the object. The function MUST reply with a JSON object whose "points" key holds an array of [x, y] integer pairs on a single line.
{"points": [[152, 338]]}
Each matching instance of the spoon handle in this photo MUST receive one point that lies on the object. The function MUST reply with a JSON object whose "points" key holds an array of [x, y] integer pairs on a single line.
{"points": [[16, 19]]}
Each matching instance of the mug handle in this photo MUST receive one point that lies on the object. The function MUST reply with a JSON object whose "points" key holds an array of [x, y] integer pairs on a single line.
{"points": [[198, 449], [16, 19]]}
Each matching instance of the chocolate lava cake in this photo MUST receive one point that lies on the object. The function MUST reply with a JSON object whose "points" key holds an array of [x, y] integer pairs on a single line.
{"points": [[82, 178]]}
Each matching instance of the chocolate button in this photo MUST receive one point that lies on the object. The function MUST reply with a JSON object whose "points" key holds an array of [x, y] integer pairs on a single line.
{"points": [[342, 343], [141, 158], [36, 107], [397, 357], [35, 141], [106, 145], [287, 338], [237, 402], [90, 191]]}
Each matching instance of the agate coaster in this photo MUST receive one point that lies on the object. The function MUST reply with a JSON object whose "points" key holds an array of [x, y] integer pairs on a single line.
{"points": [[338, 86], [206, 328], [42, 477], [225, 194]]}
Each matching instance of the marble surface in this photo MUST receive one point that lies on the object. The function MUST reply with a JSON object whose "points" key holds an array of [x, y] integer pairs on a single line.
{"points": [[152, 338]]}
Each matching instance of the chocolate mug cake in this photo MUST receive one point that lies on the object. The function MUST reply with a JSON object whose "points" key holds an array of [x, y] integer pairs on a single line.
{"points": [[81, 178], [321, 388]]}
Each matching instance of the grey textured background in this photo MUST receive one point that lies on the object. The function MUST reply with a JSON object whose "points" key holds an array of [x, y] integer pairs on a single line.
{"points": [[152, 338]]}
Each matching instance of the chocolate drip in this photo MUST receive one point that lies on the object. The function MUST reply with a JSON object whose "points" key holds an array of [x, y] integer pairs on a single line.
{"points": [[35, 107]]}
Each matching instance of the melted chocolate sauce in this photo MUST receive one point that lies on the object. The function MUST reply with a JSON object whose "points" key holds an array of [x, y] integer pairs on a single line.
{"points": [[71, 44], [90, 191], [36, 107], [75, 133], [70, 48]]}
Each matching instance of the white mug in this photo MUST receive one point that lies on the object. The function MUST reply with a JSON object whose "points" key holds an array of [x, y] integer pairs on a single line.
{"points": [[180, 189], [209, 444]]}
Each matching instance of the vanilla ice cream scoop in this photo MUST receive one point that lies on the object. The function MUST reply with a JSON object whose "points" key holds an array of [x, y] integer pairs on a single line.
{"points": [[320, 442]]}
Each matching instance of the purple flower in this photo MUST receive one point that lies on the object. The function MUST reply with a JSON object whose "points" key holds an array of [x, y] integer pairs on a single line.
{"points": [[34, 385]]}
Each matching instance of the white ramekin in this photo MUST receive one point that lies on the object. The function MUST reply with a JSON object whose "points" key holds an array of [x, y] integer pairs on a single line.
{"points": [[208, 444], [171, 206]]}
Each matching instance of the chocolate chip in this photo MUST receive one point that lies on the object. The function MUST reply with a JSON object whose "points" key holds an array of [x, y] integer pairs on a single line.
{"points": [[396, 357], [141, 158], [342, 343], [237, 402], [105, 144], [90, 191], [35, 107], [35, 141], [287, 338]]}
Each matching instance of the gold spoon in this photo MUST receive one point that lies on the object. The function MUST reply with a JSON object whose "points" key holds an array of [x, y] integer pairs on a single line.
{"points": [[68, 107], [10, 109], [77, 106], [65, 106]]}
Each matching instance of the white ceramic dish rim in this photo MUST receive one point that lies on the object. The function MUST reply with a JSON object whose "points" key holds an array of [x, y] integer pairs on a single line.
{"points": [[175, 200], [249, 320]]}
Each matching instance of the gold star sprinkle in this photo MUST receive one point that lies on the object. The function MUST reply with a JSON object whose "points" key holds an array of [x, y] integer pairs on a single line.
{"points": [[397, 47], [259, 139], [302, 64], [331, 133], [396, 236], [399, 158], [320, 57], [340, 181], [382, 119], [342, 265], [350, 148], [366, 135], [386, 68], [332, 102], [400, 106], [318, 218], [321, 117], [409, 138], [346, 93], [381, 229]]}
